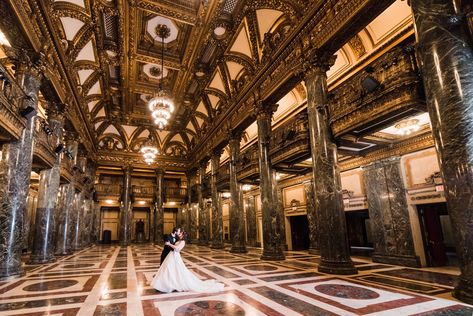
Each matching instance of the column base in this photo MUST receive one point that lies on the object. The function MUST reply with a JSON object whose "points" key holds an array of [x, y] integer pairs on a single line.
{"points": [[408, 261], [217, 246], [64, 253], [239, 249], [41, 260], [11, 276], [464, 291], [337, 267], [202, 243], [314, 251], [252, 243], [272, 255]]}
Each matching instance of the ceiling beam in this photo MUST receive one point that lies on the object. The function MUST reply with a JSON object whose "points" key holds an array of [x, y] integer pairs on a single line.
{"points": [[171, 64], [175, 12]]}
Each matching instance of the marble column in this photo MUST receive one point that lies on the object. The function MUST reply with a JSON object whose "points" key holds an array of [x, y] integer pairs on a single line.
{"points": [[334, 251], [45, 225], [314, 247], [87, 232], [389, 216], [125, 208], [15, 169], [159, 210], [271, 217], [193, 228], [237, 215], [250, 207], [78, 224], [279, 207], [192, 211], [65, 210], [217, 218], [96, 223], [152, 224], [203, 216], [445, 53], [182, 222]]}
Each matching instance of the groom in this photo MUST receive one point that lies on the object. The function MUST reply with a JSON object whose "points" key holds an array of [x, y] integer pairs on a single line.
{"points": [[172, 238]]}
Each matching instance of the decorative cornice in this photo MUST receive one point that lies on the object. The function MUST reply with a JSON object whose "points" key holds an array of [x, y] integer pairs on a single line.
{"points": [[413, 144]]}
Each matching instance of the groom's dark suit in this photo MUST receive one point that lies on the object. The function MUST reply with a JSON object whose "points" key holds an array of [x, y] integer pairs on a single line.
{"points": [[166, 248]]}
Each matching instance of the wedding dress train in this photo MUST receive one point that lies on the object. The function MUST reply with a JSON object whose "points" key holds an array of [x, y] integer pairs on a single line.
{"points": [[173, 275]]}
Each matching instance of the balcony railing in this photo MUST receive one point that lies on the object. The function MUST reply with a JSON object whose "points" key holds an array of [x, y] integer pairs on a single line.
{"points": [[143, 191], [66, 168], [11, 101], [44, 155], [108, 189], [175, 192], [105, 189], [248, 167]]}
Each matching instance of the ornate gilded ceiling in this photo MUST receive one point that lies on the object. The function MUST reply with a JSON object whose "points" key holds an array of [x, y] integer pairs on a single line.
{"points": [[219, 53], [113, 55]]}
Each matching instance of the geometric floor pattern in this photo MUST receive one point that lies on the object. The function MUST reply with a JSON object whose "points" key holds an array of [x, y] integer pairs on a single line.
{"points": [[113, 280]]}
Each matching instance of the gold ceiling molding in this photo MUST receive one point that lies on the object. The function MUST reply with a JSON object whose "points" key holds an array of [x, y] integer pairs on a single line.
{"points": [[411, 145], [181, 14]]}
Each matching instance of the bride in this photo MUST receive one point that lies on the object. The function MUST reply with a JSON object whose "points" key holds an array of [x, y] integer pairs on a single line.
{"points": [[173, 274]]}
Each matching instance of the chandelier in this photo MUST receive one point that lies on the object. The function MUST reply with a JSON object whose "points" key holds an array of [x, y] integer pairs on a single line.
{"points": [[407, 127], [160, 105], [149, 151]]}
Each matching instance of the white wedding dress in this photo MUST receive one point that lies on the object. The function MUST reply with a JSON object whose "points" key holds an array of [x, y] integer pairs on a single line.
{"points": [[173, 275]]}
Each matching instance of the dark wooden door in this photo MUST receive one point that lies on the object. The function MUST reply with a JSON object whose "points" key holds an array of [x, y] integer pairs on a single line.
{"points": [[299, 232], [432, 233]]}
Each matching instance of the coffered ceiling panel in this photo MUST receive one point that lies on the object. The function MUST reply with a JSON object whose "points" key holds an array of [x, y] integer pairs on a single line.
{"points": [[113, 55]]}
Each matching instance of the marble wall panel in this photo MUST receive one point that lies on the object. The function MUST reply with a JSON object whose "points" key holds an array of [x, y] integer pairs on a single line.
{"points": [[389, 215]]}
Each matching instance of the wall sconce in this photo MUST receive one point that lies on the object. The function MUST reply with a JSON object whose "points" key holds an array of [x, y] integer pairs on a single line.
{"points": [[47, 129], [59, 149], [29, 111]]}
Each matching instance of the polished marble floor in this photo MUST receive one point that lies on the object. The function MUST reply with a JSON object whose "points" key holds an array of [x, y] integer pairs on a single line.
{"points": [[113, 280]]}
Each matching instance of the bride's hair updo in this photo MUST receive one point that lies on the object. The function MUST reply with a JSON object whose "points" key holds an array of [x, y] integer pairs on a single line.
{"points": [[183, 235]]}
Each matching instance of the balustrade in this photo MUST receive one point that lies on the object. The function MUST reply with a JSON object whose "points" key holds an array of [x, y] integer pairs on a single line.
{"points": [[11, 102], [44, 145], [175, 192]]}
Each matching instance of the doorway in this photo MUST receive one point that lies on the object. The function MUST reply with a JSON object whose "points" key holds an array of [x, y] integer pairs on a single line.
{"points": [[299, 232], [437, 234], [359, 232], [140, 224]]}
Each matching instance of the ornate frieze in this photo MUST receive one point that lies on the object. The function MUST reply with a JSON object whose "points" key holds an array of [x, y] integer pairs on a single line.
{"points": [[410, 145]]}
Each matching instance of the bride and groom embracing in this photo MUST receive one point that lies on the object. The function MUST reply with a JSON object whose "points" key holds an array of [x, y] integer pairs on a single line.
{"points": [[173, 274]]}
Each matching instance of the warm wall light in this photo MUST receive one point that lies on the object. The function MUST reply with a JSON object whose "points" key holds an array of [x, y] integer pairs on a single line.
{"points": [[109, 201], [172, 203], [407, 127], [246, 187], [141, 202], [3, 40], [226, 194]]}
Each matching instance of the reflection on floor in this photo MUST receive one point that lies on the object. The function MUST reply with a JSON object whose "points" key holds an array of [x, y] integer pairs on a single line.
{"points": [[112, 280]]}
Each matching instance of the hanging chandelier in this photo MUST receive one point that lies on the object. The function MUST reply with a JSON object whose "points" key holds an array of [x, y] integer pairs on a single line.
{"points": [[407, 127], [160, 105], [149, 151]]}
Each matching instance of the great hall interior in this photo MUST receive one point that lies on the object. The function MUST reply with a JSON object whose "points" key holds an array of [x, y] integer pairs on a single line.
{"points": [[318, 154]]}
